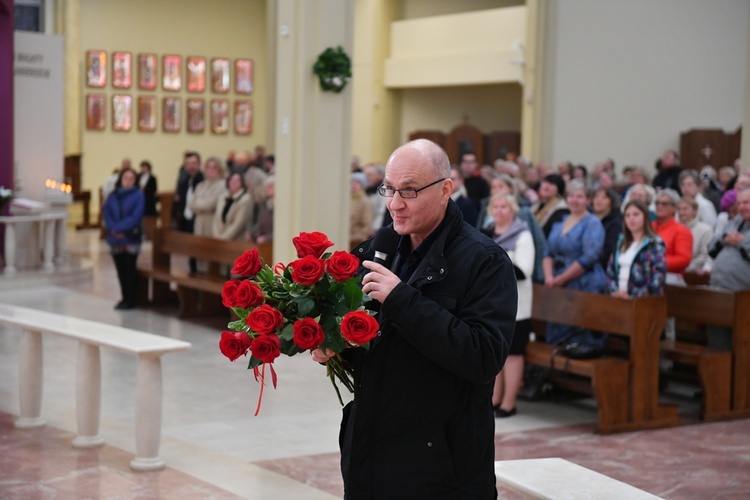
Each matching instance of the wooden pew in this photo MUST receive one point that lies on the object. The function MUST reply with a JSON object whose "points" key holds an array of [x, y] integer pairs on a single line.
{"points": [[710, 306], [198, 293], [624, 405]]}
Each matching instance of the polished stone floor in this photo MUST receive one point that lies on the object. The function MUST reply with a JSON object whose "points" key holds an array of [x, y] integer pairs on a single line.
{"points": [[215, 448]]}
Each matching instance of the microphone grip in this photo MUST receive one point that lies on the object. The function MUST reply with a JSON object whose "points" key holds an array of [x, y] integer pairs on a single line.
{"points": [[381, 258]]}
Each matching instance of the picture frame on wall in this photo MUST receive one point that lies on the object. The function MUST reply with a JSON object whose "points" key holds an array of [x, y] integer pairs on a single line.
{"points": [[96, 68], [96, 111], [243, 117], [147, 71], [243, 76], [122, 70], [122, 112], [171, 72], [146, 113], [171, 116], [220, 75], [219, 116], [196, 115], [196, 74]]}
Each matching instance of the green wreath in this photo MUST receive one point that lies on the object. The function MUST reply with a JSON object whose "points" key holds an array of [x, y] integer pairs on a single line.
{"points": [[333, 68]]}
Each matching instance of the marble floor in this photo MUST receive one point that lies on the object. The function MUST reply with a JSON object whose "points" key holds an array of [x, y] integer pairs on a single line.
{"points": [[215, 448]]}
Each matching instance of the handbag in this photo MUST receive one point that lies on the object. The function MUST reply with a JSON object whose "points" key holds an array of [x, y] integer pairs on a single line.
{"points": [[578, 350]]}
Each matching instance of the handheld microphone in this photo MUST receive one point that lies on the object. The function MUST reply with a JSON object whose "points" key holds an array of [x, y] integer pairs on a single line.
{"points": [[385, 243]]}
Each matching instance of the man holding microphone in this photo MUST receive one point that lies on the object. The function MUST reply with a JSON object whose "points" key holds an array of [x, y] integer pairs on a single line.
{"points": [[421, 424]]}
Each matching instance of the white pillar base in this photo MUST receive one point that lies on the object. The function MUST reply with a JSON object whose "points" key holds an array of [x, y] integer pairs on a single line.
{"points": [[29, 423], [146, 464], [87, 441]]}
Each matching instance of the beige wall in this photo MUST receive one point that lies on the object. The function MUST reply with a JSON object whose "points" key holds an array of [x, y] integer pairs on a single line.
{"points": [[627, 89], [488, 107], [413, 9], [220, 28]]}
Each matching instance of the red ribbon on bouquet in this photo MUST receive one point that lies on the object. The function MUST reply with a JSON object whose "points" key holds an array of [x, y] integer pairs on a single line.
{"points": [[261, 374]]}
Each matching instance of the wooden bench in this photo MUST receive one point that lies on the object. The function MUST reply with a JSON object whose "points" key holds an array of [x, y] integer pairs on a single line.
{"points": [[725, 394], [628, 399], [196, 294], [559, 478], [91, 336]]}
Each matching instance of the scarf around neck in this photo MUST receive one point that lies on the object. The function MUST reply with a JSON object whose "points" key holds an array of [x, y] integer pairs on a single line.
{"points": [[509, 238]]}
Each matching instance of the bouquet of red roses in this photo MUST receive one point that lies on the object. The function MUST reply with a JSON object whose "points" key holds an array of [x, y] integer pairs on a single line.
{"points": [[314, 302]]}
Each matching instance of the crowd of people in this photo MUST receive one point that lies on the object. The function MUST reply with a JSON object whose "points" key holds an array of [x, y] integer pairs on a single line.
{"points": [[597, 231], [227, 199], [589, 229]]}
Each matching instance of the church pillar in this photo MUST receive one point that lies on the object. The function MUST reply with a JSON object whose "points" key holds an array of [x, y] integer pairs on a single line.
{"points": [[376, 109], [535, 123], [745, 147], [6, 93], [70, 27], [312, 127]]}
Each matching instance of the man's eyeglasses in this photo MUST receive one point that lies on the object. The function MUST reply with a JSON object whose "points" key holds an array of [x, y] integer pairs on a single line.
{"points": [[405, 193], [664, 203]]}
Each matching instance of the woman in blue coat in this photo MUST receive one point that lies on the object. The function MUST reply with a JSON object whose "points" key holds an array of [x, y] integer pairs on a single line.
{"points": [[123, 218], [572, 261]]}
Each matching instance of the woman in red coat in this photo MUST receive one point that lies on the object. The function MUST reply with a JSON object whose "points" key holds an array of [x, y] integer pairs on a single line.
{"points": [[678, 239]]}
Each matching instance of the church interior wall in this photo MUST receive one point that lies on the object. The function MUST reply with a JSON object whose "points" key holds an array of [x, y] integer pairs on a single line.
{"points": [[488, 107], [225, 28], [629, 77]]}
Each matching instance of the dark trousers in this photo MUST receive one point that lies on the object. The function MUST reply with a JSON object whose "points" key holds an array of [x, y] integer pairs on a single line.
{"points": [[187, 226], [127, 275]]}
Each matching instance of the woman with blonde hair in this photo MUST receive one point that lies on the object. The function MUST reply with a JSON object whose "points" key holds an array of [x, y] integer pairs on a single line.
{"points": [[513, 235]]}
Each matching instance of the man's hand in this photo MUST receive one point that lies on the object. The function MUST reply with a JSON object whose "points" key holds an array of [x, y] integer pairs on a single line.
{"points": [[734, 238], [379, 283]]}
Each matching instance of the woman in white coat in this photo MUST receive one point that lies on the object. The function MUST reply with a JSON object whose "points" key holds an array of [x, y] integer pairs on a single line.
{"points": [[233, 210], [514, 236]]}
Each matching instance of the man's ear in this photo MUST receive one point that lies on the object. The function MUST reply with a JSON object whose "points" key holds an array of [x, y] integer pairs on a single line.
{"points": [[448, 188]]}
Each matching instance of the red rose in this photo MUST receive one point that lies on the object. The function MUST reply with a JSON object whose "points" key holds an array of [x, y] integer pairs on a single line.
{"points": [[308, 334], [227, 293], [248, 264], [265, 320], [358, 327], [314, 244], [266, 348], [234, 344], [248, 295], [307, 270], [342, 265]]}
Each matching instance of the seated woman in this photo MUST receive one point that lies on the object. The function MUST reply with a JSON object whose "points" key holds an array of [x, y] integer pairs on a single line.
{"points": [[606, 205], [572, 261], [645, 194], [514, 236], [638, 267], [551, 207], [687, 210], [678, 240], [262, 230], [207, 195], [232, 212]]}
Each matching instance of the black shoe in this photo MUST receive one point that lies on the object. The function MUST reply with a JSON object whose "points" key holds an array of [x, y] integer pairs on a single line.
{"points": [[119, 304], [500, 413], [124, 306]]}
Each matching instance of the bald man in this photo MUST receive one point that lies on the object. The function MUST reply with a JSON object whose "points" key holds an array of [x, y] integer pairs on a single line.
{"points": [[422, 424]]}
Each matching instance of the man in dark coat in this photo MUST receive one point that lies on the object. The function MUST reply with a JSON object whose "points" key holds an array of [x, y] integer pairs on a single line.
{"points": [[421, 425]]}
